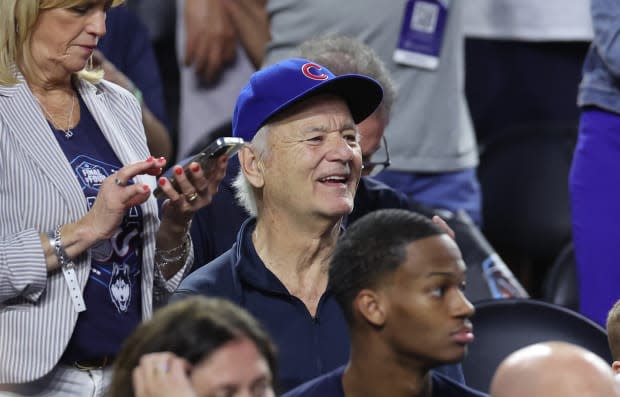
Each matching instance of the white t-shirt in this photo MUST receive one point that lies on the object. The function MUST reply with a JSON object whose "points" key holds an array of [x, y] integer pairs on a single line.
{"points": [[529, 20], [430, 127]]}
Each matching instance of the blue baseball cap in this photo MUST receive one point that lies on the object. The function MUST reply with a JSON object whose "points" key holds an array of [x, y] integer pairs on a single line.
{"points": [[279, 86]]}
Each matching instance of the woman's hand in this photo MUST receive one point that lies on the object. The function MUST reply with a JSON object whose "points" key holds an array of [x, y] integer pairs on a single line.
{"points": [[194, 192], [116, 196], [162, 374]]}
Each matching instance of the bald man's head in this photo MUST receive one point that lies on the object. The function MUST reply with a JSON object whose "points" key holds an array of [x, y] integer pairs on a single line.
{"points": [[554, 369]]}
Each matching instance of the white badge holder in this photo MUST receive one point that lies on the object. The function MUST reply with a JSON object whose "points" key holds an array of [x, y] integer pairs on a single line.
{"points": [[68, 271]]}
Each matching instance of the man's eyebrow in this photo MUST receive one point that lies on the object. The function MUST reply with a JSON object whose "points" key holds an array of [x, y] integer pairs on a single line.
{"points": [[323, 128], [261, 378], [348, 126], [443, 274], [314, 128]]}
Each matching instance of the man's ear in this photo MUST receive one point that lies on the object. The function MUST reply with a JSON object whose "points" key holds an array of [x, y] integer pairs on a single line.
{"points": [[616, 367], [252, 166], [371, 306]]}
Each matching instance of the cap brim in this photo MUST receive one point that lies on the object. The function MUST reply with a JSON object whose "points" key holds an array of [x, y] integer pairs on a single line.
{"points": [[361, 93]]}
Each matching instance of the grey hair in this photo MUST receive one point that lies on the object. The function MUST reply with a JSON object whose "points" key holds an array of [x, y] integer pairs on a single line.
{"points": [[343, 54], [245, 193]]}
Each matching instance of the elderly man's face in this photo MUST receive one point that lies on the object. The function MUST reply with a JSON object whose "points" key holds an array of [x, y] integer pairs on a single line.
{"points": [[314, 160]]}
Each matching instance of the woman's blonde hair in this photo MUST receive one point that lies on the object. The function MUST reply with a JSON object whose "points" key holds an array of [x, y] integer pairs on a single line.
{"points": [[17, 17]]}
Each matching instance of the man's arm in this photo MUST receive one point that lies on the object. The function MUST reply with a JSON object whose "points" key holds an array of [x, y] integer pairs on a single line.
{"points": [[210, 38], [252, 25]]}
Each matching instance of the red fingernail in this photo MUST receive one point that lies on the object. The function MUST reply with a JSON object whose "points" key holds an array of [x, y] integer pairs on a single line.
{"points": [[195, 167], [150, 159], [145, 188], [162, 181], [178, 170], [154, 171]]}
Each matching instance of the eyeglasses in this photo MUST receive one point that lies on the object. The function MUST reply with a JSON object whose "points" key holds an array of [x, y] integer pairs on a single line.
{"points": [[378, 161]]}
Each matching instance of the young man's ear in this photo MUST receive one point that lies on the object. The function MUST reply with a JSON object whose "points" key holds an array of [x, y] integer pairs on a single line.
{"points": [[371, 306], [616, 367], [251, 165]]}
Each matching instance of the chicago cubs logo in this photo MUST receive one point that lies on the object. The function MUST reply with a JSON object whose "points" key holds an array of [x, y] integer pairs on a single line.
{"points": [[313, 71]]}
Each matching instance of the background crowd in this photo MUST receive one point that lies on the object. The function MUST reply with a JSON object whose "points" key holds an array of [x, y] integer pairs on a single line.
{"points": [[425, 144]]}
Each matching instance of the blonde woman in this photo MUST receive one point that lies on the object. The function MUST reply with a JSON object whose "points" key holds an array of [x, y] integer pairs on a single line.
{"points": [[83, 253]]}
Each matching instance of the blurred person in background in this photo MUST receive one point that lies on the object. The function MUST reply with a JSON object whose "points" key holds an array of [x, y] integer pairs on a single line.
{"points": [[197, 347]]}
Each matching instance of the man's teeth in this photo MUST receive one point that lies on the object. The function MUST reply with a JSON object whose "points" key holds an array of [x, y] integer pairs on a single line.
{"points": [[334, 179]]}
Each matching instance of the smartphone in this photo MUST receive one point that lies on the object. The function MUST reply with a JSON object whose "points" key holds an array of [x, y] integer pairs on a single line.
{"points": [[207, 158]]}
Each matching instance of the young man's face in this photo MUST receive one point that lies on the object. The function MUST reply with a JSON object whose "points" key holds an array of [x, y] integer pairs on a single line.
{"points": [[428, 314]]}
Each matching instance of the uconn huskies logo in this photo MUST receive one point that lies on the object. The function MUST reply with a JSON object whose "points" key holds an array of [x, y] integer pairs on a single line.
{"points": [[120, 287], [313, 71]]}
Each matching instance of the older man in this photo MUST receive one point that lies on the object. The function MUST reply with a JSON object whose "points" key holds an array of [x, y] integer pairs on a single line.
{"points": [[214, 228], [554, 369], [298, 177]]}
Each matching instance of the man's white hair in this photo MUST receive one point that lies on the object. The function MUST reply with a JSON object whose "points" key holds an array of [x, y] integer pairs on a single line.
{"points": [[245, 193]]}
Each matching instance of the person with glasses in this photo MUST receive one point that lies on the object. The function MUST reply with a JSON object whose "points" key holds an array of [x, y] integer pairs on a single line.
{"points": [[379, 160], [299, 172], [341, 54]]}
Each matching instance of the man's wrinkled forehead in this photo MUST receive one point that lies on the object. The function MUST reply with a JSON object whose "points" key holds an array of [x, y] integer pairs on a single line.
{"points": [[309, 105]]}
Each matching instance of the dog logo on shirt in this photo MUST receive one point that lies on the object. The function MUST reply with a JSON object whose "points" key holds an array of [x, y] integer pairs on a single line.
{"points": [[120, 287]]}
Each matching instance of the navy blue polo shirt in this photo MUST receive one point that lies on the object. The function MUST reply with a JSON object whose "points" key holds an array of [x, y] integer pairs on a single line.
{"points": [[330, 385], [215, 226], [307, 346]]}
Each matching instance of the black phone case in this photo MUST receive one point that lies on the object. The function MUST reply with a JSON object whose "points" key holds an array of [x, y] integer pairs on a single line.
{"points": [[207, 158]]}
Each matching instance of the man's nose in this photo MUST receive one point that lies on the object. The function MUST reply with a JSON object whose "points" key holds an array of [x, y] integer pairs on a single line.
{"points": [[341, 149]]}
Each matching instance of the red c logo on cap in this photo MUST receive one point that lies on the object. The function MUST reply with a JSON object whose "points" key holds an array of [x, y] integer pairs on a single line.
{"points": [[310, 71]]}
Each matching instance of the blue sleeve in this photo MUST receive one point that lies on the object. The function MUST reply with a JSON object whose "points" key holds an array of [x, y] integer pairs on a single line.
{"points": [[127, 45], [606, 23], [215, 227]]}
